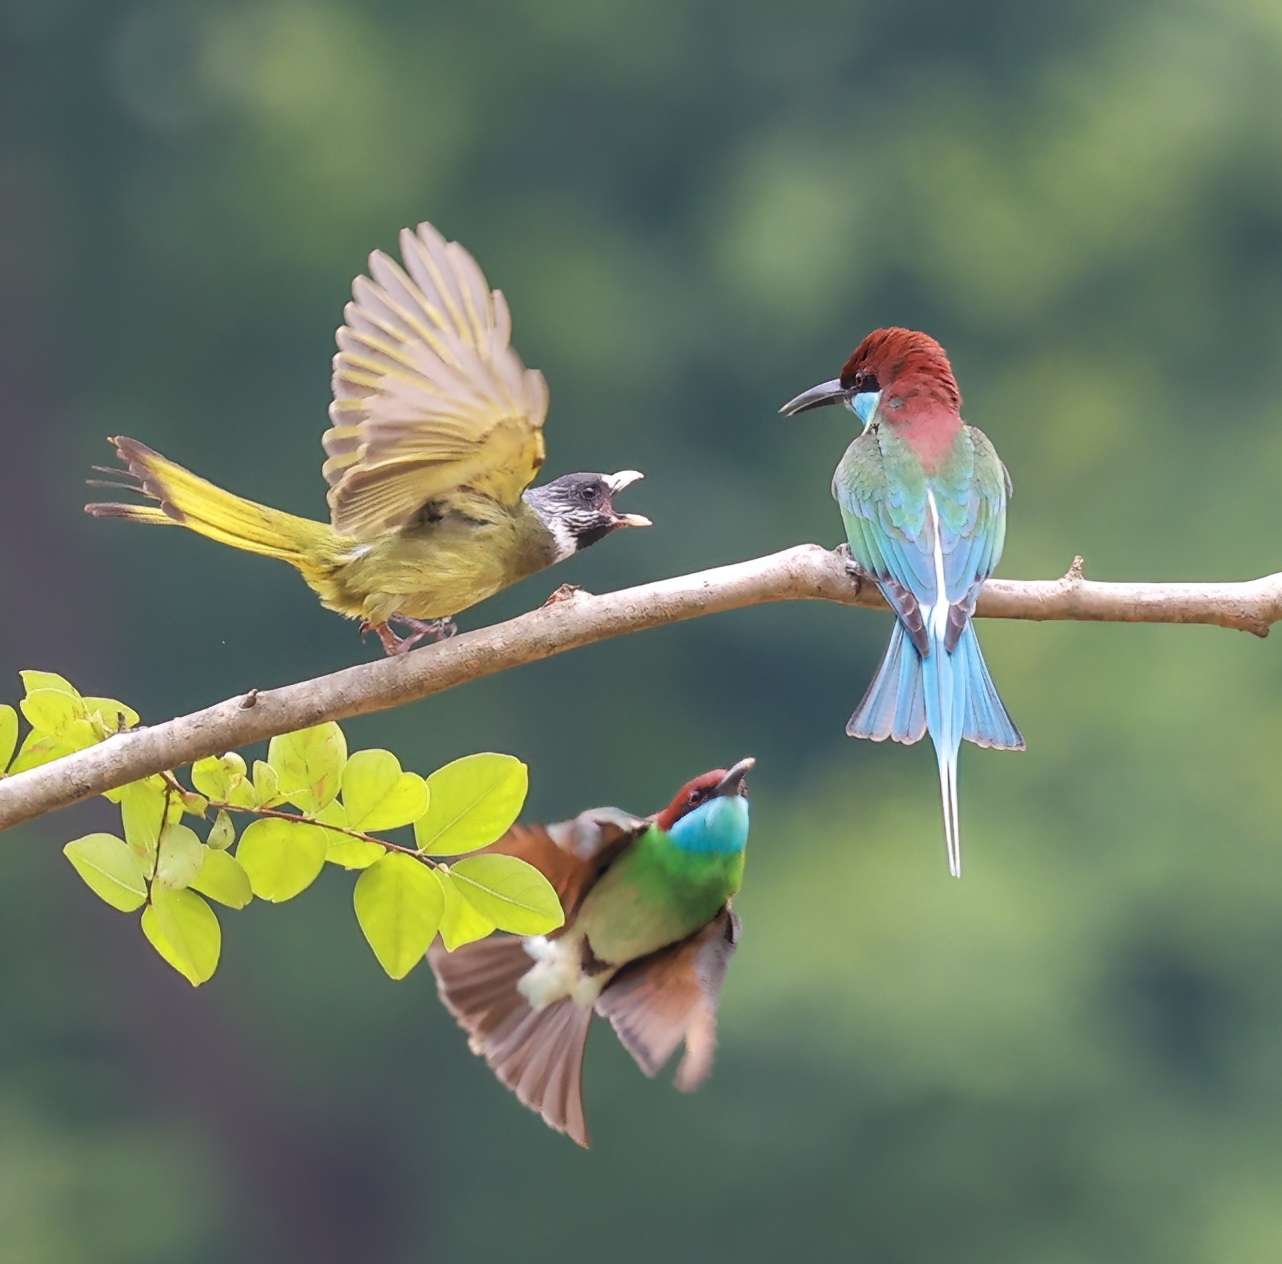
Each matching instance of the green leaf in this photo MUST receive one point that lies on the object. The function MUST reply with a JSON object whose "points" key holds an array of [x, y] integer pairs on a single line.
{"points": [[514, 895], [33, 680], [223, 778], [460, 922], [180, 856], [222, 833], [183, 929], [398, 904], [474, 800], [40, 748], [309, 765], [378, 795], [8, 735], [109, 869], [266, 785], [282, 858], [114, 715], [142, 810], [51, 710], [223, 878]]}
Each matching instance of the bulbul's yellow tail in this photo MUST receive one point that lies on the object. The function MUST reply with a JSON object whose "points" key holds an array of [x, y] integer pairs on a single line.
{"points": [[189, 501]]}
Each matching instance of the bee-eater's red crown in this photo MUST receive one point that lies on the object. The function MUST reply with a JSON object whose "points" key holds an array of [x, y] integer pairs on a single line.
{"points": [[901, 359], [693, 793]]}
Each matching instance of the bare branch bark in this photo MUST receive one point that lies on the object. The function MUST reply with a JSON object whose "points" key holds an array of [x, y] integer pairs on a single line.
{"points": [[806, 572]]}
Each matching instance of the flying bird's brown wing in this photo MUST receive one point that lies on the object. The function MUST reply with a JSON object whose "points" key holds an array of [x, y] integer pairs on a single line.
{"points": [[572, 854], [429, 397], [672, 995]]}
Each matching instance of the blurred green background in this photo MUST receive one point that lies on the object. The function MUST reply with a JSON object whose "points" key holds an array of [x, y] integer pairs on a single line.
{"points": [[695, 211]]}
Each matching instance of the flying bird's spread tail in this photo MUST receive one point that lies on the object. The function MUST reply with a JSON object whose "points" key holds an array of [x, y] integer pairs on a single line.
{"points": [[537, 1053], [190, 501]]}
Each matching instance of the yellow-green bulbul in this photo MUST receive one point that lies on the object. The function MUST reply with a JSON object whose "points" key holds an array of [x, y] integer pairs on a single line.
{"points": [[437, 432]]}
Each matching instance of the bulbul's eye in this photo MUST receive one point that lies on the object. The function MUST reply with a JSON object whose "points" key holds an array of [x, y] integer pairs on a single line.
{"points": [[586, 494]]}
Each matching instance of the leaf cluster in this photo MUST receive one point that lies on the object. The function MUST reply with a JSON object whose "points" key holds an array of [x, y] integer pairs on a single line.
{"points": [[310, 804]]}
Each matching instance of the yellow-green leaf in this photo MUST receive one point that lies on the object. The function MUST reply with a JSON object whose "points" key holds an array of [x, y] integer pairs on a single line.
{"points": [[8, 734], [51, 710], [223, 878], [180, 855], [266, 785], [183, 929], [40, 748], [343, 849], [215, 775], [460, 922], [514, 895], [222, 833], [309, 765], [398, 904], [194, 802], [282, 858], [353, 853], [378, 795], [115, 715], [109, 869], [473, 801], [142, 810], [33, 680]]}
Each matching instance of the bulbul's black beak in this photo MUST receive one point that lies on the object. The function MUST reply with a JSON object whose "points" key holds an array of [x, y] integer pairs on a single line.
{"points": [[616, 483], [733, 781], [816, 397]]}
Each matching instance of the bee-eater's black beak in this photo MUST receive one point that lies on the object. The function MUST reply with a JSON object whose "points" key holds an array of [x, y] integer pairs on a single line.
{"points": [[616, 483], [816, 397], [733, 782]]}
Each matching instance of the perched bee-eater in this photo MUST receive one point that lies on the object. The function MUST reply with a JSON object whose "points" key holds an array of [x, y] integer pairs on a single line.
{"points": [[647, 939], [437, 432], [923, 498]]}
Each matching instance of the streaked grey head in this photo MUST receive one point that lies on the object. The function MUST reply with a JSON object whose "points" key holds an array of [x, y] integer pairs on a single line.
{"points": [[578, 509]]}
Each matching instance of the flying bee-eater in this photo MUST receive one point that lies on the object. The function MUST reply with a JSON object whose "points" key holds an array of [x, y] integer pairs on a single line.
{"points": [[436, 434], [647, 939], [923, 498]]}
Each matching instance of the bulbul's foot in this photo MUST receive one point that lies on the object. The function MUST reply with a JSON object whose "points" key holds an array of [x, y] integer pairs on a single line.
{"points": [[420, 631]]}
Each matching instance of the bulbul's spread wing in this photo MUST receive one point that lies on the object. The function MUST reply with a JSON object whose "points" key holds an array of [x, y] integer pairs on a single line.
{"points": [[572, 854], [429, 397]]}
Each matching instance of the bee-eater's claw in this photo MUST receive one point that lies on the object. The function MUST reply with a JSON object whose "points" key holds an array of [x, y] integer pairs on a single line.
{"points": [[853, 569]]}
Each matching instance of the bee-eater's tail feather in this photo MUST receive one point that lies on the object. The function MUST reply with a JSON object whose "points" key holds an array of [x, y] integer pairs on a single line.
{"points": [[952, 818], [538, 1054], [190, 501], [894, 705], [987, 723]]}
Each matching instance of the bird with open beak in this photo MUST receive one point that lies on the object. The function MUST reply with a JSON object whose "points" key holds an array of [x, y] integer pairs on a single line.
{"points": [[923, 498], [436, 435], [647, 939]]}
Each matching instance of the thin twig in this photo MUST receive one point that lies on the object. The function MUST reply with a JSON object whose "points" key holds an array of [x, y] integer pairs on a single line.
{"points": [[806, 572], [277, 815]]}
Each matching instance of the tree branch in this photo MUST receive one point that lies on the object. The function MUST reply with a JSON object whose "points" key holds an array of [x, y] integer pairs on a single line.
{"points": [[806, 572]]}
